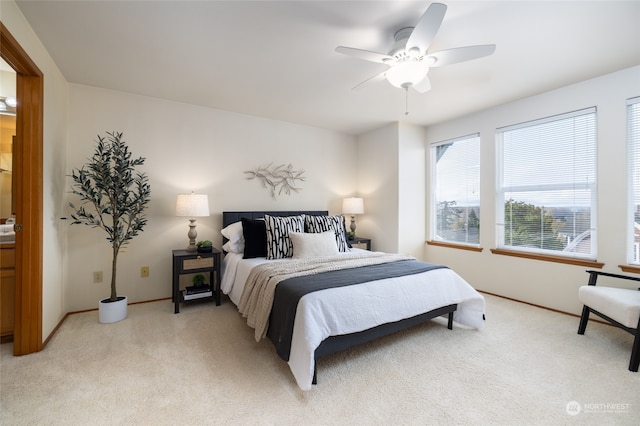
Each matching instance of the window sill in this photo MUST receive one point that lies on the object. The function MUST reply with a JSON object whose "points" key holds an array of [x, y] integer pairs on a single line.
{"points": [[634, 269], [547, 258], [454, 245]]}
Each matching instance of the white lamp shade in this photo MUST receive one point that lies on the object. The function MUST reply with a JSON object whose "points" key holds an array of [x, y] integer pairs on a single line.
{"points": [[352, 205], [407, 73], [192, 205]]}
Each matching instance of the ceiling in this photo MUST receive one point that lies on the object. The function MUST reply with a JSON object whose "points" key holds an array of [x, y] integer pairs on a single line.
{"points": [[276, 59]]}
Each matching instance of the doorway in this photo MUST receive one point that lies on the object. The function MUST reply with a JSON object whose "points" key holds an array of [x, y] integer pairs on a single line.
{"points": [[28, 195], [8, 105]]}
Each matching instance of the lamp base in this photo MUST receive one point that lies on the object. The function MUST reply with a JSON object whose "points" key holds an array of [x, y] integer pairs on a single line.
{"points": [[192, 234], [353, 225]]}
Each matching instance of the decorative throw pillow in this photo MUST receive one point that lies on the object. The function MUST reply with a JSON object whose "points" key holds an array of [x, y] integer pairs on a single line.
{"points": [[255, 238], [278, 242], [316, 224], [313, 245], [233, 233], [230, 247]]}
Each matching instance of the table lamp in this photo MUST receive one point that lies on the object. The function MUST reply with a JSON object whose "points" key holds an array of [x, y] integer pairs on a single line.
{"points": [[353, 206], [192, 206]]}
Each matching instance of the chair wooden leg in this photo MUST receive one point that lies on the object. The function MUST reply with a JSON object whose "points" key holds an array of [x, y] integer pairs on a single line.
{"points": [[634, 363], [583, 320]]}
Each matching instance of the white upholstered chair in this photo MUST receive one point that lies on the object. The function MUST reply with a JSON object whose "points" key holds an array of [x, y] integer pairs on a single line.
{"points": [[619, 306]]}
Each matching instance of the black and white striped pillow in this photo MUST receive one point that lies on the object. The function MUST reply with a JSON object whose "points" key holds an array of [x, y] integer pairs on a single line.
{"points": [[279, 244], [316, 224]]}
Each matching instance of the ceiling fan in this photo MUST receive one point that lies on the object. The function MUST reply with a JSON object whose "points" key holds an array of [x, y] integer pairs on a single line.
{"points": [[409, 61]]}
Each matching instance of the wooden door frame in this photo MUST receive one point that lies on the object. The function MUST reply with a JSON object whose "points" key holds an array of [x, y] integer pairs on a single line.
{"points": [[28, 155]]}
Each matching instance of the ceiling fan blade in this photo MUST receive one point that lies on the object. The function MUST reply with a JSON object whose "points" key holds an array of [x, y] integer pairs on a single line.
{"points": [[364, 54], [427, 27], [424, 86], [460, 54], [375, 78]]}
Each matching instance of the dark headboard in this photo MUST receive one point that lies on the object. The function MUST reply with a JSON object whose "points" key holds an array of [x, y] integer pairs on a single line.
{"points": [[230, 217]]}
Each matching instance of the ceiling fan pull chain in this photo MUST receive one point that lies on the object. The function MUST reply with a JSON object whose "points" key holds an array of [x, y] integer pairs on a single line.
{"points": [[406, 100]]}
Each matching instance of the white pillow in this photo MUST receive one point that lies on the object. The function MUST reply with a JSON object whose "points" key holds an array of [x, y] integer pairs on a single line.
{"points": [[327, 223], [233, 233], [230, 247], [313, 245]]}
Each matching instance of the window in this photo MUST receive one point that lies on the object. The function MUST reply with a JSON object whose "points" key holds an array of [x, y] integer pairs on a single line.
{"points": [[547, 186], [633, 123], [455, 177]]}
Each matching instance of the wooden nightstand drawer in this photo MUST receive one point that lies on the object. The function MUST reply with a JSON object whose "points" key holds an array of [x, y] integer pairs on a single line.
{"points": [[197, 263], [361, 243]]}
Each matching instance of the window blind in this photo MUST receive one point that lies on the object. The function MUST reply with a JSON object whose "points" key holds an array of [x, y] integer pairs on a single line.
{"points": [[455, 188], [547, 185], [633, 124]]}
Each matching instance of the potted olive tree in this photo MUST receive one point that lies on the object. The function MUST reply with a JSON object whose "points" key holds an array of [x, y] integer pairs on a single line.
{"points": [[117, 197]]}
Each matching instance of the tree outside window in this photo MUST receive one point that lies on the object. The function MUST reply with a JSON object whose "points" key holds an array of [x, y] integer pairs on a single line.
{"points": [[456, 190]]}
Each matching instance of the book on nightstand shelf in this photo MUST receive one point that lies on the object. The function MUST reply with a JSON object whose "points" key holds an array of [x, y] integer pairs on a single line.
{"points": [[197, 289], [197, 292]]}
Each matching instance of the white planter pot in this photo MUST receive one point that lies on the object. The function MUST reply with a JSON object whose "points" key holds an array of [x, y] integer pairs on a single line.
{"points": [[109, 312]]}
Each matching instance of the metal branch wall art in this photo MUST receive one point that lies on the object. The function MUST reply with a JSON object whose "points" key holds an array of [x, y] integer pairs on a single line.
{"points": [[277, 179]]}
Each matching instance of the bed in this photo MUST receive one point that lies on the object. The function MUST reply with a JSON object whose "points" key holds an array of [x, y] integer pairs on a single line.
{"points": [[322, 297]]}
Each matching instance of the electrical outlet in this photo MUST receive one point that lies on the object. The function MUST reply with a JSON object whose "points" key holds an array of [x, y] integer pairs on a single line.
{"points": [[97, 277], [144, 271]]}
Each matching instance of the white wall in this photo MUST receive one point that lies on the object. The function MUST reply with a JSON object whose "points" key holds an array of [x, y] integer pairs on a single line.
{"points": [[378, 185], [191, 148], [391, 179], [548, 284], [55, 119], [411, 190]]}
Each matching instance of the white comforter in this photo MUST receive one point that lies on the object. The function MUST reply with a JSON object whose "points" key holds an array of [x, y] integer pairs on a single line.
{"points": [[356, 308]]}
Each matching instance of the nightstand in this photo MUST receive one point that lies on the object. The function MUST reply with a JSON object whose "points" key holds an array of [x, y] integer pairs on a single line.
{"points": [[361, 243], [190, 262]]}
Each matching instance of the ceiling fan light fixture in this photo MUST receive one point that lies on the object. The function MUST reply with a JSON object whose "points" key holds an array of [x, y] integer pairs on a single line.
{"points": [[410, 58], [407, 73]]}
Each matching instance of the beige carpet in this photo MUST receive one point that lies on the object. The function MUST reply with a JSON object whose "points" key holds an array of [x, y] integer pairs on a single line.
{"points": [[202, 366]]}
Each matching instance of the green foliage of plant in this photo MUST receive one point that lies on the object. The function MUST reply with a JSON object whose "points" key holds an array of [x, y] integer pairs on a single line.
{"points": [[198, 279], [473, 221], [448, 214], [117, 194], [531, 226], [204, 243], [457, 223]]}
